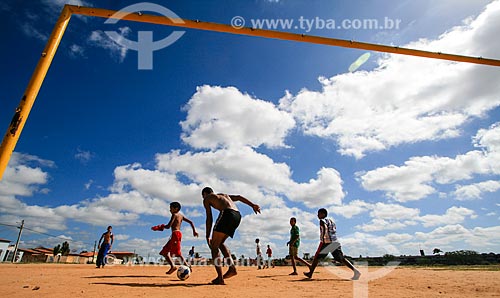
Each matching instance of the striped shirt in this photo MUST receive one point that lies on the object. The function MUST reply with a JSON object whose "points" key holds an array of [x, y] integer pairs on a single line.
{"points": [[328, 231]]}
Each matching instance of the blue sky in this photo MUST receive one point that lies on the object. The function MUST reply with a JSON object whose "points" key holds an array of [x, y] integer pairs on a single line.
{"points": [[404, 152]]}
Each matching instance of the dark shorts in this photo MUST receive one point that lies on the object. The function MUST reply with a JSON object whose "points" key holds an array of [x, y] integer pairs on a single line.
{"points": [[334, 248], [227, 222]]}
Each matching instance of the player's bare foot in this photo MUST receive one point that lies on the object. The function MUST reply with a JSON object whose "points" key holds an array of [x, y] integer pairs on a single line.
{"points": [[172, 270], [294, 273], [308, 274], [356, 276], [218, 281], [231, 271]]}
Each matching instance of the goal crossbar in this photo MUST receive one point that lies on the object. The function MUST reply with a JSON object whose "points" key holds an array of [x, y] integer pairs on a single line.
{"points": [[22, 111]]}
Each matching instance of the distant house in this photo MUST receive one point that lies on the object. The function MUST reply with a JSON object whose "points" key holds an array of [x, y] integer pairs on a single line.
{"points": [[9, 254], [4, 246], [46, 255], [39, 254], [31, 255], [91, 256]]}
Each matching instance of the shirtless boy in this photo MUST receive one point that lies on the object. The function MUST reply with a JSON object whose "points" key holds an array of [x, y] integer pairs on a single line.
{"points": [[225, 226], [173, 246], [104, 247]]}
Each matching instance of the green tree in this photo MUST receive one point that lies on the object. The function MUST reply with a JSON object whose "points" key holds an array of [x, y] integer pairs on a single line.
{"points": [[65, 248], [388, 258], [463, 257], [436, 251], [56, 250]]}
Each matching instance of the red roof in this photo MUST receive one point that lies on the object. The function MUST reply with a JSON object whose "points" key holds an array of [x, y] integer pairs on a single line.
{"points": [[34, 252], [43, 250], [88, 254]]}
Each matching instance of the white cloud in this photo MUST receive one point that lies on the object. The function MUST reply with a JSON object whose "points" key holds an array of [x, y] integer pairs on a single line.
{"points": [[21, 178], [488, 138], [222, 117], [131, 202], [260, 176], [474, 191], [406, 99], [121, 237], [84, 156], [365, 244], [76, 51], [57, 5], [413, 180], [395, 217], [38, 218], [154, 184], [101, 40], [31, 30], [89, 184], [453, 215], [378, 224], [33, 21], [353, 208], [389, 217], [326, 189], [398, 238], [393, 212], [449, 237]]}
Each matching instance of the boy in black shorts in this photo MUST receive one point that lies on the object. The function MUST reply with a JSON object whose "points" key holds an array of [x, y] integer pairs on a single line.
{"points": [[225, 226]]}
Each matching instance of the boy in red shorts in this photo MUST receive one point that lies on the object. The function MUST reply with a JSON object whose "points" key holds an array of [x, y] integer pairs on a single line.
{"points": [[173, 246]]}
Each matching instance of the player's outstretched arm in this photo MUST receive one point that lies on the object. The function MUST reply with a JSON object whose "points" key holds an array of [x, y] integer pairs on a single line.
{"points": [[255, 207], [195, 234]]}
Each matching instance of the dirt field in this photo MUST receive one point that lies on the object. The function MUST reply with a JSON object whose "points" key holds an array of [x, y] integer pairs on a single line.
{"points": [[69, 281]]}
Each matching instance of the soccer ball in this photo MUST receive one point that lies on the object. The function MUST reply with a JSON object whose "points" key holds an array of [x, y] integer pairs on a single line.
{"points": [[183, 272]]}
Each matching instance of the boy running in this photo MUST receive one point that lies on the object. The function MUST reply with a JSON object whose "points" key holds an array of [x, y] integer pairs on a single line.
{"points": [[329, 244], [173, 246]]}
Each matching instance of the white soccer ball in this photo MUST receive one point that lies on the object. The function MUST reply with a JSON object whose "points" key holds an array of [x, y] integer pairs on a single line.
{"points": [[183, 272]]}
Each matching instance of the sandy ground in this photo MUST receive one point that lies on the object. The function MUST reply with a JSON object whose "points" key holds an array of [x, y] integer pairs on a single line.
{"points": [[69, 281]]}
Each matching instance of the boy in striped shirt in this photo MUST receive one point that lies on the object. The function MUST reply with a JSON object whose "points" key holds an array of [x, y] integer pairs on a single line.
{"points": [[329, 244]]}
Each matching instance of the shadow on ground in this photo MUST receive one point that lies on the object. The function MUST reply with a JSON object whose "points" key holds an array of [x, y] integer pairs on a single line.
{"points": [[149, 285]]}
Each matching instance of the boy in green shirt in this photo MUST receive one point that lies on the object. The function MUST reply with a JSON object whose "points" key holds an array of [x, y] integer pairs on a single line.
{"points": [[293, 245]]}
